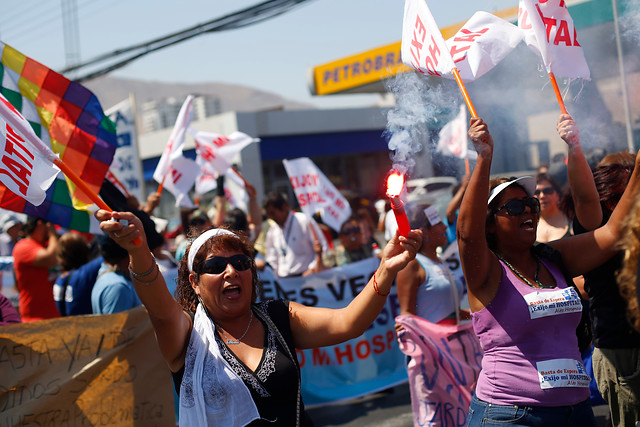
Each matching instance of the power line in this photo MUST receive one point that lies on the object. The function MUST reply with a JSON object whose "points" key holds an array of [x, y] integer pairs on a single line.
{"points": [[239, 19]]}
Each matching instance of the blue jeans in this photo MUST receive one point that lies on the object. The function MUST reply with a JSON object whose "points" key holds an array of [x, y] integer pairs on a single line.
{"points": [[486, 414]]}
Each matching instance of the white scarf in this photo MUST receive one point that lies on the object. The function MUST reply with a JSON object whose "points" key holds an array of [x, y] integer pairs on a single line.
{"points": [[211, 393]]}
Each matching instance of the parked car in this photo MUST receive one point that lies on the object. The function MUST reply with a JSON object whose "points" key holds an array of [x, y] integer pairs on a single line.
{"points": [[436, 191]]}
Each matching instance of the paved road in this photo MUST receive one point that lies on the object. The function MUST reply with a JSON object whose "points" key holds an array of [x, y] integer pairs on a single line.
{"points": [[388, 409], [391, 408]]}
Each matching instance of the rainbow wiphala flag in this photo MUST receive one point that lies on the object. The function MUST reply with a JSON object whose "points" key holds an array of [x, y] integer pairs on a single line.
{"points": [[69, 118]]}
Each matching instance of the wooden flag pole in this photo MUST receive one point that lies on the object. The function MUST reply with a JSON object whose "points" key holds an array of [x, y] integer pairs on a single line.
{"points": [[556, 89]]}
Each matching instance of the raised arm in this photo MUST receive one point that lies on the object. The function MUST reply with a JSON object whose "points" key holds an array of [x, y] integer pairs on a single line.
{"points": [[584, 252], [254, 214], [171, 325], [46, 257], [317, 327], [583, 187], [481, 268]]}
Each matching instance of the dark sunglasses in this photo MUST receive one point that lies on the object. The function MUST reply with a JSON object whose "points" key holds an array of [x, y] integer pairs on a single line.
{"points": [[516, 207], [547, 191], [218, 264], [351, 230]]}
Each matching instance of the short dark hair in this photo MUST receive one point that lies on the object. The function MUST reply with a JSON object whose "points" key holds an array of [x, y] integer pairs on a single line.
{"points": [[112, 252], [30, 225], [275, 199]]}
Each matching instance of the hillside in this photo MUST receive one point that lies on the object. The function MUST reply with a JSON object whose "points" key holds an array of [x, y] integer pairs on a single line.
{"points": [[110, 91]]}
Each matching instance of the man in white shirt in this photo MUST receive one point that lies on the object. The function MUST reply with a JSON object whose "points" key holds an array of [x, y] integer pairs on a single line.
{"points": [[290, 242]]}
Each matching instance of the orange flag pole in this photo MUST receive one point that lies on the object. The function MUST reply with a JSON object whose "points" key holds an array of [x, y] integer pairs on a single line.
{"points": [[556, 89], [465, 95], [161, 186], [69, 173], [467, 168], [81, 184]]}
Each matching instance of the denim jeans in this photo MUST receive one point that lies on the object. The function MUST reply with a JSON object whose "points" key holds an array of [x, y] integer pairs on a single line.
{"points": [[486, 414]]}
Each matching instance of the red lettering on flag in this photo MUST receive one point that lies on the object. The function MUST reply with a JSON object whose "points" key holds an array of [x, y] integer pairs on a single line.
{"points": [[563, 35]]}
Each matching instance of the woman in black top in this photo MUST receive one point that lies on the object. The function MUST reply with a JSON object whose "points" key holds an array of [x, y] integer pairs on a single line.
{"points": [[237, 358]]}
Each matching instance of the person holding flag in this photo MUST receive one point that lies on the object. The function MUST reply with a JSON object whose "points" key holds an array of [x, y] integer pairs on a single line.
{"points": [[234, 360], [528, 317]]}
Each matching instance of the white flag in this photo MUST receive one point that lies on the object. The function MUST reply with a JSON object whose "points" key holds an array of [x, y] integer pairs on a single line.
{"points": [[423, 47], [482, 43], [550, 32], [181, 179], [176, 141], [126, 165], [315, 193], [216, 152], [453, 136], [26, 163], [234, 188]]}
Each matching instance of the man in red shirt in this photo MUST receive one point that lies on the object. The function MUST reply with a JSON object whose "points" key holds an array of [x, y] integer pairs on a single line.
{"points": [[33, 256]]}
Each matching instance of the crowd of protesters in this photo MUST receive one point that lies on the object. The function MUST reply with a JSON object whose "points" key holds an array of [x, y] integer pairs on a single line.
{"points": [[557, 233]]}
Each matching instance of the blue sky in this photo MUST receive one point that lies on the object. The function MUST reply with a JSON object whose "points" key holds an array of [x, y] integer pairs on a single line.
{"points": [[274, 56]]}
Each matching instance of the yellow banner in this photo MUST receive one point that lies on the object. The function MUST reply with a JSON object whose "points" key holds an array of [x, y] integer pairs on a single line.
{"points": [[84, 370]]}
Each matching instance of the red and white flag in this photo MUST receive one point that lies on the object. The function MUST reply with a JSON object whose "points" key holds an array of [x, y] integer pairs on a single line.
{"points": [[315, 193], [174, 171], [550, 32], [423, 47], [26, 163], [453, 136], [481, 43], [216, 152], [176, 141]]}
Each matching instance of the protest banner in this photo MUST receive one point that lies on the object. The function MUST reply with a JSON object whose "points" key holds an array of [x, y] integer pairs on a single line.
{"points": [[102, 370], [315, 193], [444, 367], [363, 365], [127, 165]]}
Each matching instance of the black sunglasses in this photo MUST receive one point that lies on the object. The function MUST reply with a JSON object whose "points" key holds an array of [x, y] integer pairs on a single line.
{"points": [[516, 207], [351, 230], [547, 191], [218, 264]]}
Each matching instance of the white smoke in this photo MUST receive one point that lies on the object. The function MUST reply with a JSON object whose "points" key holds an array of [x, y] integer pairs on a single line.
{"points": [[420, 103]]}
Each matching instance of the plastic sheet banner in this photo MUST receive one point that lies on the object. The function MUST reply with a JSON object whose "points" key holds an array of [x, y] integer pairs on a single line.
{"points": [[102, 370], [361, 366]]}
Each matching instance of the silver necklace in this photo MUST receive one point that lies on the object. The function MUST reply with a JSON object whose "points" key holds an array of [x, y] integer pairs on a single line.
{"points": [[521, 276], [234, 342]]}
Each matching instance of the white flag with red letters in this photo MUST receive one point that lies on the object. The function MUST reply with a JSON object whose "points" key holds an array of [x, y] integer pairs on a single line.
{"points": [[481, 43], [453, 136], [315, 193], [26, 163], [423, 47], [550, 32]]}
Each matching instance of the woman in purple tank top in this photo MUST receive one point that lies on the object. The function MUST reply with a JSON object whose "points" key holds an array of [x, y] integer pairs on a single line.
{"points": [[523, 311]]}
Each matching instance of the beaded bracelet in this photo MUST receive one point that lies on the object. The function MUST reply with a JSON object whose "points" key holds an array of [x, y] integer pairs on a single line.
{"points": [[146, 273], [375, 286]]}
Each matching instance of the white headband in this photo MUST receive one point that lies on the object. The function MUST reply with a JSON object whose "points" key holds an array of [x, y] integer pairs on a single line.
{"points": [[201, 240]]}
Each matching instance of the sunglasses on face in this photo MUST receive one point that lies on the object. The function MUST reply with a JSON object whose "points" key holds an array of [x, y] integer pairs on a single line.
{"points": [[351, 230], [547, 191], [515, 207], [218, 264]]}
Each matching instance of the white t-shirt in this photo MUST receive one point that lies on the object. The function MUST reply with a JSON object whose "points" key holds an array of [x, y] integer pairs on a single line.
{"points": [[289, 250]]}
